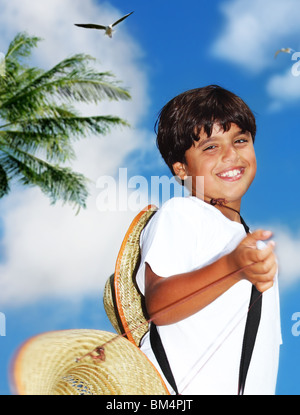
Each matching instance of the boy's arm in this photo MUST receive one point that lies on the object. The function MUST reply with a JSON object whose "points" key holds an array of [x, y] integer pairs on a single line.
{"points": [[161, 293]]}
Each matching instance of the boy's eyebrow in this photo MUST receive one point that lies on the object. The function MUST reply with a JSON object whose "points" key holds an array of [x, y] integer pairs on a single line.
{"points": [[212, 138], [206, 141]]}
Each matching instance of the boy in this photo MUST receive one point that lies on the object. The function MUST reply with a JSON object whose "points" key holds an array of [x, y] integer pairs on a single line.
{"points": [[192, 242]]}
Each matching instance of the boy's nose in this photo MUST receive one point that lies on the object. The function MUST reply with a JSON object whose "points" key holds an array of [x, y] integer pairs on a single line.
{"points": [[230, 154]]}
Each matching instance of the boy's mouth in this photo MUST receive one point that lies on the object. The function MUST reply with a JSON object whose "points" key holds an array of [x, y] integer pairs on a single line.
{"points": [[232, 174]]}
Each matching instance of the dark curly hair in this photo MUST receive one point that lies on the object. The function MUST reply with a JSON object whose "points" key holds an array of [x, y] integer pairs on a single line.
{"points": [[181, 120]]}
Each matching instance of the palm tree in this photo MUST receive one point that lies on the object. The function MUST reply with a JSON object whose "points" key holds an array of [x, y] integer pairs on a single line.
{"points": [[38, 121]]}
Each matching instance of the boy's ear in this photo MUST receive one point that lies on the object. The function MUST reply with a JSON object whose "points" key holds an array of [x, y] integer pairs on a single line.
{"points": [[180, 170]]}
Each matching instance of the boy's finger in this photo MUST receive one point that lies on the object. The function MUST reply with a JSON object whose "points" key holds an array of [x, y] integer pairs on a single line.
{"points": [[255, 239], [264, 266], [264, 286], [263, 254], [257, 255], [260, 234]]}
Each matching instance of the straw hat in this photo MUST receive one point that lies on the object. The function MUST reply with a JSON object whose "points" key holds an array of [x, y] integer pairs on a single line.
{"points": [[122, 300], [46, 365]]}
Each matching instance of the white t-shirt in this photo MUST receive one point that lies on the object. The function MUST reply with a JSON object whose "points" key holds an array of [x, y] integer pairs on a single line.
{"points": [[204, 349]]}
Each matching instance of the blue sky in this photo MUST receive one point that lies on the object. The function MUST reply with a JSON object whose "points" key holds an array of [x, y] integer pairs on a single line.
{"points": [[54, 264]]}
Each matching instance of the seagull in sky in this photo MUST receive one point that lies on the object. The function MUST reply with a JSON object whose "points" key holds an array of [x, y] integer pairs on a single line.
{"points": [[285, 50], [108, 29]]}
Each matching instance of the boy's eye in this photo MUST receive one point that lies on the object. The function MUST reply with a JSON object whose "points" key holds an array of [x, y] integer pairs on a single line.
{"points": [[242, 140], [212, 147]]}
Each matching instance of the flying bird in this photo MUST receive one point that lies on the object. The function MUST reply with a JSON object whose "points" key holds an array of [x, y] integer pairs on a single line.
{"points": [[285, 50], [108, 29]]}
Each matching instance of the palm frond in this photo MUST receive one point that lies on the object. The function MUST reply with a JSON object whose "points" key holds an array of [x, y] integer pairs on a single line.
{"points": [[56, 182], [69, 126], [82, 86], [51, 147], [4, 185], [21, 46]]}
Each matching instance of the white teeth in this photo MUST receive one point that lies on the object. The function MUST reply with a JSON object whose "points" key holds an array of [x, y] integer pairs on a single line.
{"points": [[230, 173]]}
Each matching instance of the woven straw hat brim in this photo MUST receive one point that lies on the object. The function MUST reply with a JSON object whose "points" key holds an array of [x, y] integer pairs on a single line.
{"points": [[46, 365], [122, 299]]}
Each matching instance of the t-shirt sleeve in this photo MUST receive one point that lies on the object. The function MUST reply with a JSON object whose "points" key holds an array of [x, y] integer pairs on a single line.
{"points": [[168, 243]]}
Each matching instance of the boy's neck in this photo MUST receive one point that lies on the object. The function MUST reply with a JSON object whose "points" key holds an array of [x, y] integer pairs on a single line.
{"points": [[232, 213]]}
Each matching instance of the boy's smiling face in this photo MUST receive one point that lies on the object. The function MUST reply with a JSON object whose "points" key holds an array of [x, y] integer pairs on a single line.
{"points": [[227, 162]]}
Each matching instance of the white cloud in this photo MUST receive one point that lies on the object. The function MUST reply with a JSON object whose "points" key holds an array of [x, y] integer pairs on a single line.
{"points": [[254, 30], [48, 250], [284, 88], [287, 249], [52, 252]]}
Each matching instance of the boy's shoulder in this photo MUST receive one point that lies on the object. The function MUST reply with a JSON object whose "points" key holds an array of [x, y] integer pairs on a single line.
{"points": [[184, 205], [193, 211], [184, 211]]}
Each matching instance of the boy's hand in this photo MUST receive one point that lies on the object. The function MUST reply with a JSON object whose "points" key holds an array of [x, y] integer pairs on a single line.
{"points": [[264, 267]]}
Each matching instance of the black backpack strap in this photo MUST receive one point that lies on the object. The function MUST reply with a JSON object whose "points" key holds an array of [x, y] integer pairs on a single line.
{"points": [[251, 328], [161, 356]]}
